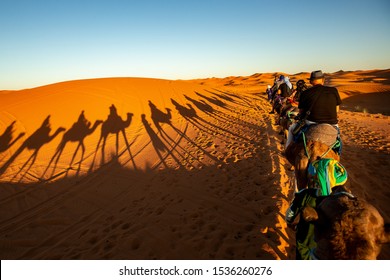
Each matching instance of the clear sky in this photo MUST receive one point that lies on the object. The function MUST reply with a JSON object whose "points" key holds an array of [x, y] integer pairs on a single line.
{"points": [[43, 42]]}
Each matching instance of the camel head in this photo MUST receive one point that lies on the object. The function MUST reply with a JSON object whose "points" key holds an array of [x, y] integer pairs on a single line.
{"points": [[130, 116], [169, 113], [59, 130], [128, 120], [347, 227], [95, 125]]}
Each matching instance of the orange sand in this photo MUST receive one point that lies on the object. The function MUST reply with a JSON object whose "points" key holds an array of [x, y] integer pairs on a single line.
{"points": [[207, 181]]}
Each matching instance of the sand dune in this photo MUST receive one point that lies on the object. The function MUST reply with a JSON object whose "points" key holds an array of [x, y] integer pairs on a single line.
{"points": [[132, 168]]}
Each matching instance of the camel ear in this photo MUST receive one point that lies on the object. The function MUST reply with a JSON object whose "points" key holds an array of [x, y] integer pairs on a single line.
{"points": [[309, 214]]}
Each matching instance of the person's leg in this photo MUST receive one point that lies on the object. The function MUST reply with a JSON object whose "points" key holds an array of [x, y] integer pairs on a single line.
{"points": [[290, 136]]}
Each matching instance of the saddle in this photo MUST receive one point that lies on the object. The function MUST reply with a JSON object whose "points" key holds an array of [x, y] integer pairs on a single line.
{"points": [[323, 133]]}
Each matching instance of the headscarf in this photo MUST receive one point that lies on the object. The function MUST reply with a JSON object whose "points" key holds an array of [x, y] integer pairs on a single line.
{"points": [[287, 81]]}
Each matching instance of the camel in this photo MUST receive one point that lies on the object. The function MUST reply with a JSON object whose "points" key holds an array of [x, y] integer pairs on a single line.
{"points": [[113, 125], [159, 116], [34, 142], [201, 105], [188, 112], [347, 227], [319, 139], [286, 118], [6, 141], [77, 133]]}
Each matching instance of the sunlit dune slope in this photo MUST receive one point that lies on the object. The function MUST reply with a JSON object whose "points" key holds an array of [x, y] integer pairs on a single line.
{"points": [[64, 103]]}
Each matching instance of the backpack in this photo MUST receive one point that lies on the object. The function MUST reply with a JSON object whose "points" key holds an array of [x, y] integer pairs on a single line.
{"points": [[324, 174]]}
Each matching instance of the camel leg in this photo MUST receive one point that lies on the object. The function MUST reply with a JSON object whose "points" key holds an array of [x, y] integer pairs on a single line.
{"points": [[32, 158], [74, 155], [82, 158], [96, 151], [128, 149], [31, 164], [82, 152], [12, 158], [71, 162], [103, 148], [300, 166], [16, 139], [117, 144], [58, 154], [24, 165], [51, 160]]}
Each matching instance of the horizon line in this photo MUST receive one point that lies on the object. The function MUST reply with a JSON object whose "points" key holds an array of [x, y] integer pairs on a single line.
{"points": [[187, 79]]}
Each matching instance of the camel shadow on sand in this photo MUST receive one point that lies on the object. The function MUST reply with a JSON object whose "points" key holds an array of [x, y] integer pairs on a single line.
{"points": [[6, 139], [34, 143], [160, 118], [77, 133], [114, 124]]}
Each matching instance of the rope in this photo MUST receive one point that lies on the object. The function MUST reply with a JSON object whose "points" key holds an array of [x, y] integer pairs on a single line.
{"points": [[304, 144], [330, 148], [324, 154]]}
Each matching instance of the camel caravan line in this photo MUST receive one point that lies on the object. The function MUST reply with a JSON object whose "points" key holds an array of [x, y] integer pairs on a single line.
{"points": [[329, 221], [82, 128]]}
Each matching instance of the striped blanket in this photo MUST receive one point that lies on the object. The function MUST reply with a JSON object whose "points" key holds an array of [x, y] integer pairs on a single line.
{"points": [[324, 174]]}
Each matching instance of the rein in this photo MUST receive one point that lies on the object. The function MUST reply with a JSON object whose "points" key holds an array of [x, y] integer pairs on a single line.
{"points": [[307, 152], [348, 194]]}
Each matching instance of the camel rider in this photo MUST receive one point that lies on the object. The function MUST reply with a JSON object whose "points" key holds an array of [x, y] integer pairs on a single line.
{"points": [[322, 101], [285, 86], [284, 90], [300, 87], [269, 93]]}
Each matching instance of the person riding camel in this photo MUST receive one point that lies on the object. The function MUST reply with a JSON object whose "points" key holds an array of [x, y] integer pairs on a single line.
{"points": [[300, 87], [284, 90], [269, 93], [318, 104], [285, 86]]}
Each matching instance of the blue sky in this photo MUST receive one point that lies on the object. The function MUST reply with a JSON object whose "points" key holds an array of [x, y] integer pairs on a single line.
{"points": [[44, 42]]}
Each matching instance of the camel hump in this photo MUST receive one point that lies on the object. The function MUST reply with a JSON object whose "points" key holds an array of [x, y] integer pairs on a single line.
{"points": [[323, 132]]}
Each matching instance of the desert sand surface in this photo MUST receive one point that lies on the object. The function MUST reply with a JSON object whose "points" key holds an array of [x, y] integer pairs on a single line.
{"points": [[139, 168]]}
